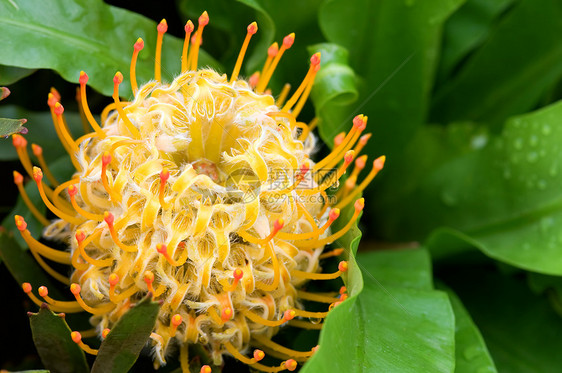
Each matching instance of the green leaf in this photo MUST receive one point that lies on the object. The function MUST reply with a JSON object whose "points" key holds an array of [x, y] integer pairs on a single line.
{"points": [[512, 70], [120, 349], [521, 330], [394, 48], [9, 127], [388, 327], [75, 35], [471, 353], [51, 336], [11, 74], [23, 266]]}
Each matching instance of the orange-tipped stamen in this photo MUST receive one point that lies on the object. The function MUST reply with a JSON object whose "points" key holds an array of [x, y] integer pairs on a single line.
{"points": [[363, 140], [26, 287], [308, 79], [287, 316], [109, 219], [139, 45], [175, 321], [266, 76], [348, 159], [105, 332], [117, 298], [57, 305], [18, 180], [304, 97], [277, 226], [38, 176], [205, 369], [254, 79], [162, 28], [271, 53], [77, 338], [83, 118], [283, 95], [333, 215], [329, 254], [289, 365], [378, 165], [258, 354], [188, 30], [148, 278], [72, 191], [118, 79], [38, 152], [277, 347], [80, 237], [237, 275], [252, 29], [163, 249], [164, 176], [100, 310], [49, 253], [338, 140], [84, 102], [59, 110], [106, 159], [194, 52]]}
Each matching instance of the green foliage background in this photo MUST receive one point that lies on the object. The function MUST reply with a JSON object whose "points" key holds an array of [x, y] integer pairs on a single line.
{"points": [[459, 266]]}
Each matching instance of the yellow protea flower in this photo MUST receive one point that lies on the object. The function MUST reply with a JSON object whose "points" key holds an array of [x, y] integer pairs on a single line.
{"points": [[202, 193]]}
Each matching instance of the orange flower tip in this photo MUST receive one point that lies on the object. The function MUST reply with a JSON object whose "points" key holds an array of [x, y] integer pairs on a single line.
{"points": [[335, 304], [26, 287], [72, 190], [108, 217], [37, 150], [361, 162], [139, 45], [363, 140], [315, 59], [205, 369], [379, 162], [359, 121], [164, 175], [189, 27], [339, 138], [259, 355], [289, 40], [59, 109], [338, 252], [83, 78], [76, 337], [105, 158], [18, 178], [19, 141], [148, 277], [118, 78], [226, 313], [254, 79], [278, 224], [291, 364], [342, 297], [334, 214], [20, 223], [37, 174], [176, 320], [194, 39], [4, 92], [43, 291], [343, 266], [80, 236], [162, 26], [113, 279], [162, 248], [204, 19], [51, 100], [273, 50], [75, 289], [359, 204], [105, 332], [252, 28], [238, 274], [289, 315], [348, 157], [343, 290]]}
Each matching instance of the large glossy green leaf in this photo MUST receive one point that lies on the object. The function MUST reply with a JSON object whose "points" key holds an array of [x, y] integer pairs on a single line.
{"points": [[388, 327], [11, 74], [51, 336], [73, 35], [508, 75], [394, 47], [521, 330], [505, 196], [120, 349]]}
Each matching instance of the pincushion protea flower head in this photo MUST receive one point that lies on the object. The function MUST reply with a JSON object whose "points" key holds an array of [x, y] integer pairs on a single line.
{"points": [[201, 193]]}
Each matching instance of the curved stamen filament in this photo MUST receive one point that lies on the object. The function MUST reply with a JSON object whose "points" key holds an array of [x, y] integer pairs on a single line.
{"points": [[308, 80], [378, 165], [59, 110], [334, 214], [18, 180], [80, 238], [316, 315], [148, 277], [188, 30], [316, 297], [26, 287], [109, 219], [277, 347], [57, 305], [287, 315], [38, 152], [47, 252], [117, 298], [277, 226], [38, 176], [258, 354], [84, 103], [329, 254], [362, 142], [271, 53], [77, 338], [342, 267], [139, 45], [237, 275], [275, 264], [348, 159], [252, 29], [289, 365], [163, 249], [105, 161], [175, 321], [118, 79], [267, 74], [72, 191], [100, 310], [196, 41], [352, 179], [162, 28], [164, 176], [311, 126], [57, 276]]}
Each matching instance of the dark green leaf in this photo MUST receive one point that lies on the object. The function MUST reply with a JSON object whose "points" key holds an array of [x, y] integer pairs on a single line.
{"points": [[11, 74], [120, 349], [508, 75], [88, 35], [9, 127], [51, 336]]}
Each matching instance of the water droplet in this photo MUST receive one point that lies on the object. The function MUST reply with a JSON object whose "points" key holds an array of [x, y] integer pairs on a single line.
{"points": [[314, 320], [532, 157], [533, 140], [518, 143], [546, 129]]}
